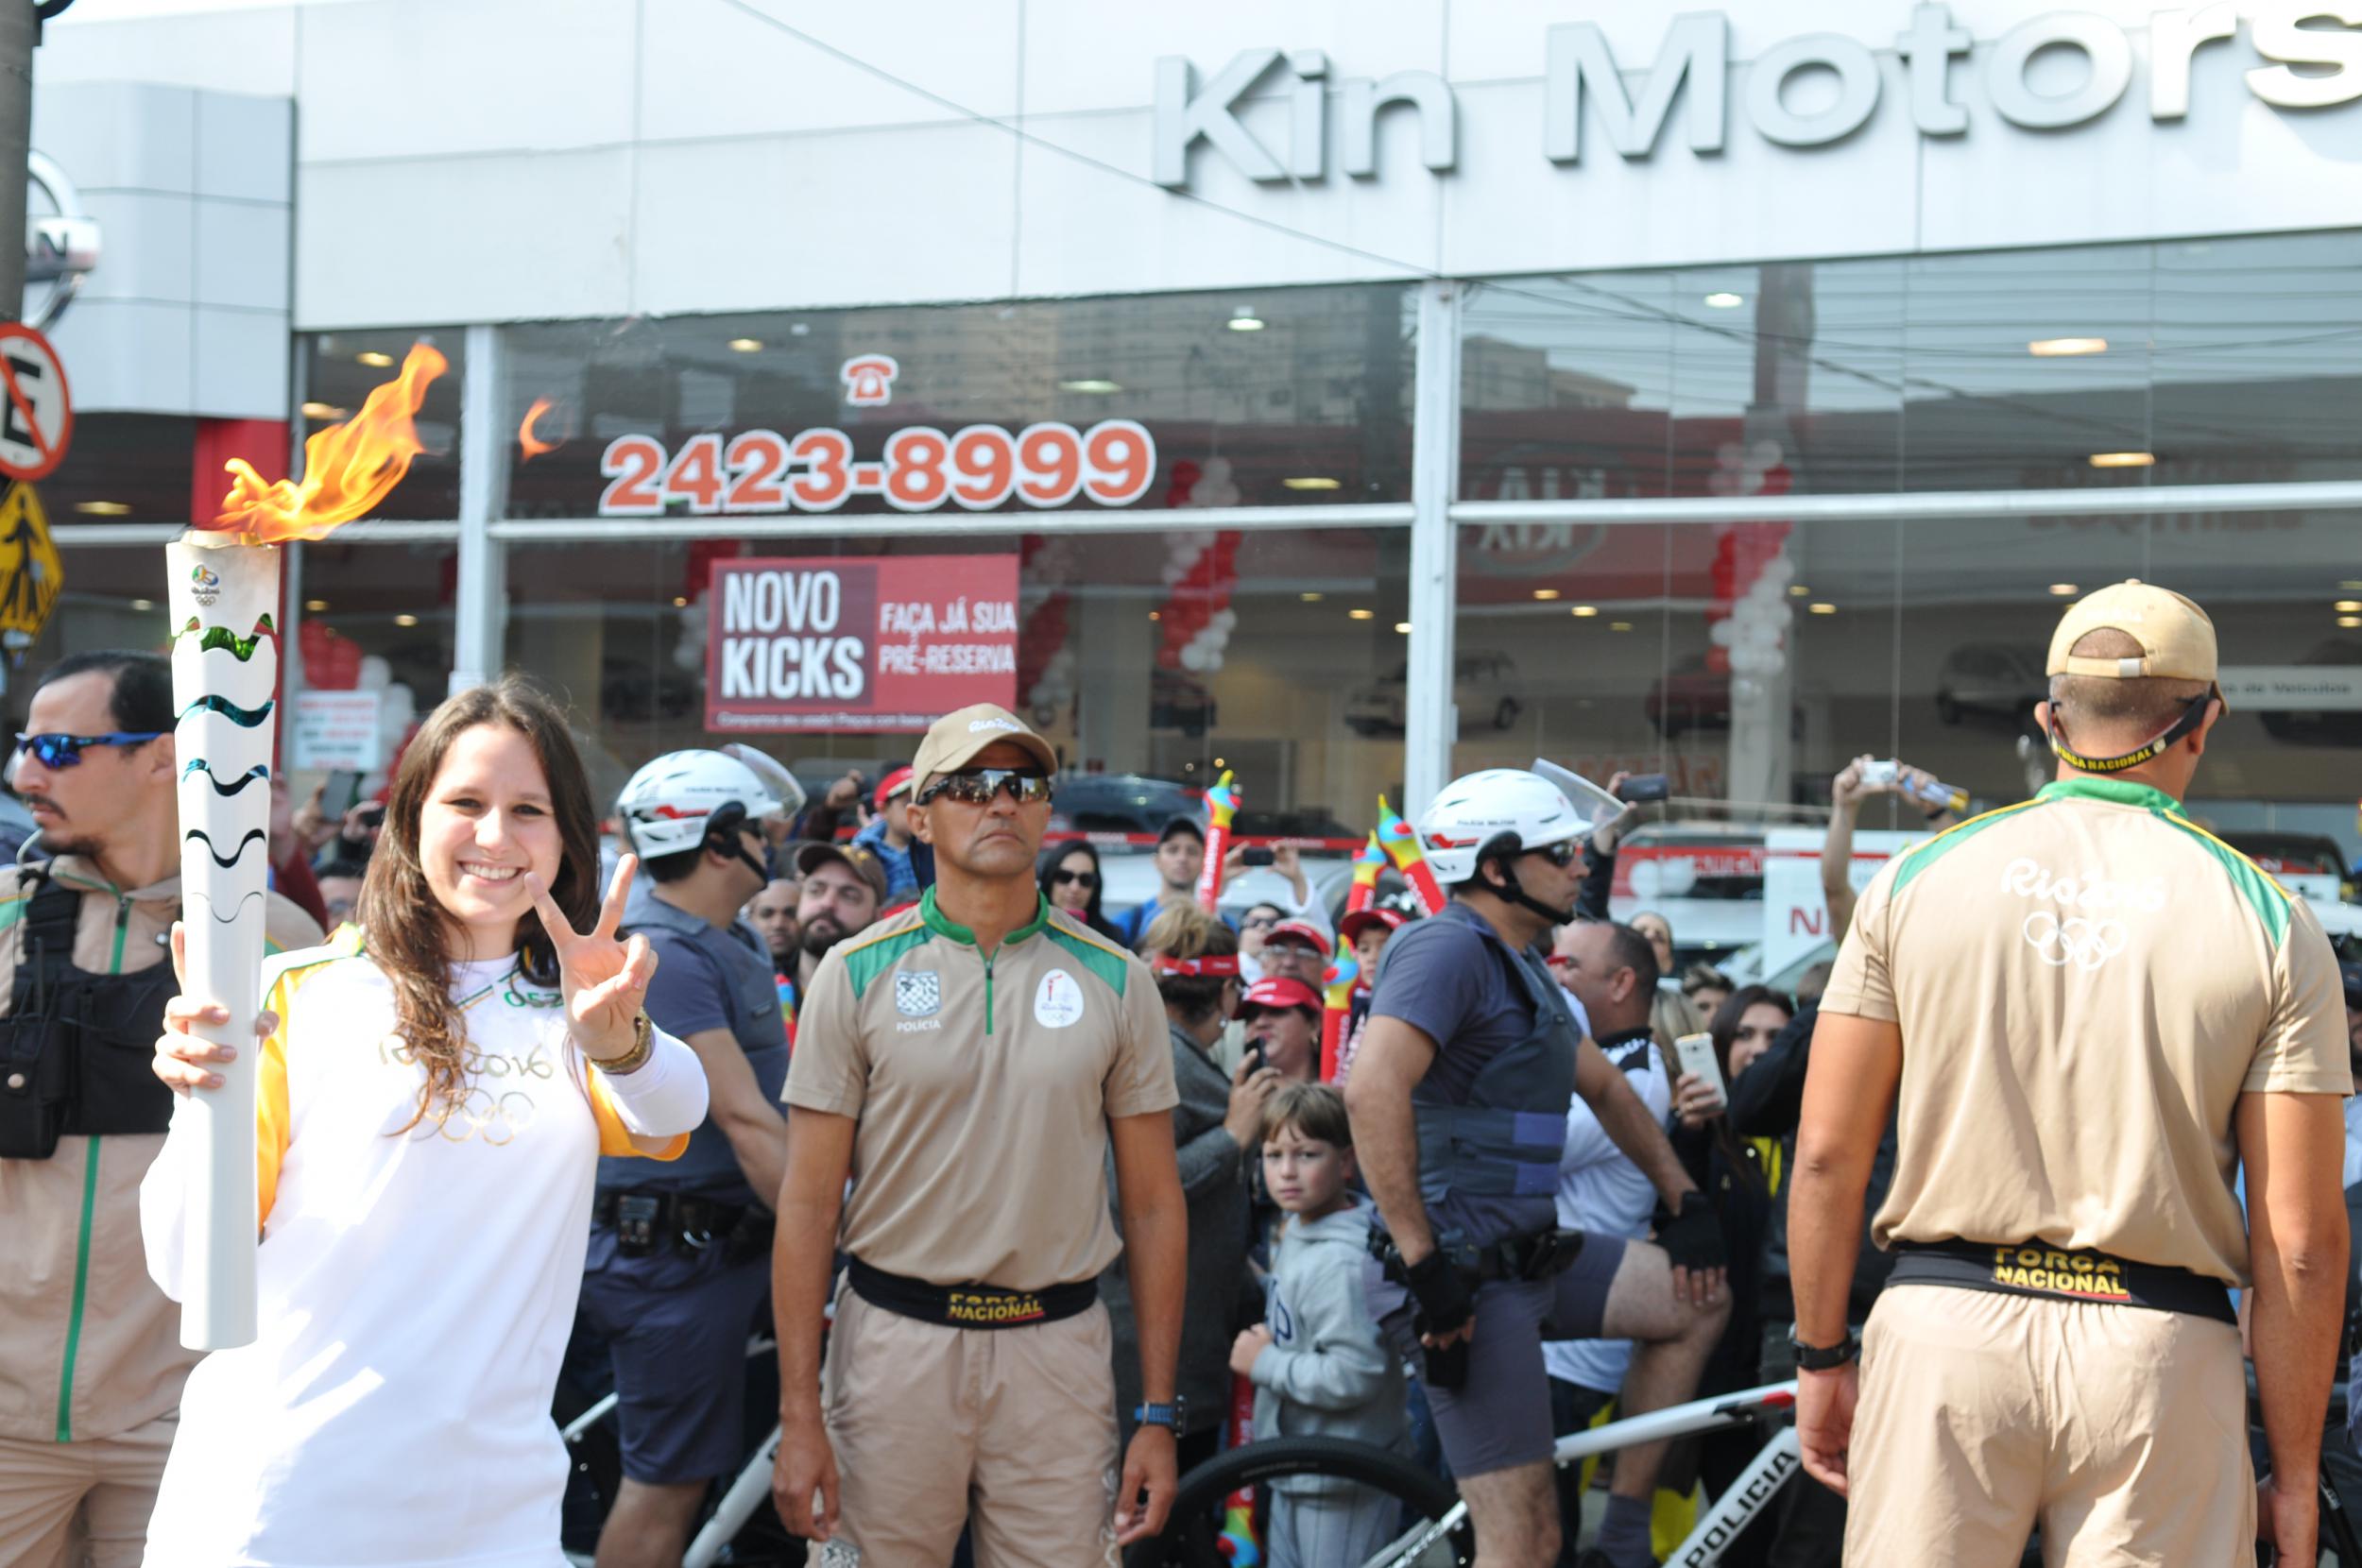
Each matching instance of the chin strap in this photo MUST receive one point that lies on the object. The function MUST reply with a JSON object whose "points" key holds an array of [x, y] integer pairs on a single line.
{"points": [[1511, 893], [2187, 724]]}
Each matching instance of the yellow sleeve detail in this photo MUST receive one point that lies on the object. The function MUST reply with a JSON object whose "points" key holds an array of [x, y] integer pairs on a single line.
{"points": [[273, 1124], [616, 1138]]}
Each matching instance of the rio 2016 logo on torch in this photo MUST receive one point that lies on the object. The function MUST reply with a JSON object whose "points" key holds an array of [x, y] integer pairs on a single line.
{"points": [[977, 468]]}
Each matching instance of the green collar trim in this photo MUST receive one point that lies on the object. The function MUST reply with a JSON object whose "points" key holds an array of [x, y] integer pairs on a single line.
{"points": [[2119, 792], [944, 926]]}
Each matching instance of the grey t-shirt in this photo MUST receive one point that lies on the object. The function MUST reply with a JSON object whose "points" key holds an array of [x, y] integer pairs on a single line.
{"points": [[706, 978], [1445, 978]]}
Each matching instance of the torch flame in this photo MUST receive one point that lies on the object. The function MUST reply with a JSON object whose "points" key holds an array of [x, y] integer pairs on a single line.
{"points": [[347, 469], [533, 445]]}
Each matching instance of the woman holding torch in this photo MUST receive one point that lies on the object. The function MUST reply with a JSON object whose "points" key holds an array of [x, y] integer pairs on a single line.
{"points": [[433, 1090]]}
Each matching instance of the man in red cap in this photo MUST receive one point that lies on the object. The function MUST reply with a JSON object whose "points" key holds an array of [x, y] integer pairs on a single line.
{"points": [[1282, 1016], [1298, 951], [910, 865]]}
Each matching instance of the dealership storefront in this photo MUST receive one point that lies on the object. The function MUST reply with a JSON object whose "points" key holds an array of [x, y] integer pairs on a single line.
{"points": [[1348, 400]]}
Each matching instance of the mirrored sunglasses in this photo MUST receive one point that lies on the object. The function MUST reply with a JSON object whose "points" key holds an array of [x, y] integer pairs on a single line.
{"points": [[978, 788], [65, 751]]}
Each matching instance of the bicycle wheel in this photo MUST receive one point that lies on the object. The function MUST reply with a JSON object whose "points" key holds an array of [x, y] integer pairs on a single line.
{"points": [[1348, 1506]]}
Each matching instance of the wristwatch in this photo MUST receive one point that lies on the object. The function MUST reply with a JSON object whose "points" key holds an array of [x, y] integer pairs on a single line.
{"points": [[1823, 1358], [1171, 1416]]}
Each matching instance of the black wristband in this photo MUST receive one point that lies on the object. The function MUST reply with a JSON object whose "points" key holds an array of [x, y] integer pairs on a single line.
{"points": [[1691, 1236], [1444, 1302], [1823, 1358]]}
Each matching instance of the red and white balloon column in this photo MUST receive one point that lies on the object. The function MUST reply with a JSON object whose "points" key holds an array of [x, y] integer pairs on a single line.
{"points": [[1200, 572], [1749, 621]]}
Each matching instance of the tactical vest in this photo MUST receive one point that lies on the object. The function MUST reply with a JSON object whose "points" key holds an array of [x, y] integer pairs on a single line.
{"points": [[76, 1048], [1504, 1140]]}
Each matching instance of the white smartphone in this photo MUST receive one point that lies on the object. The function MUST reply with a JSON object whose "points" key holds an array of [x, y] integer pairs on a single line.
{"points": [[1696, 1055]]}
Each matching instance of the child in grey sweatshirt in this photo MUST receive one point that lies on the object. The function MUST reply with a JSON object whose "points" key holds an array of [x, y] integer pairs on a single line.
{"points": [[1316, 1361]]}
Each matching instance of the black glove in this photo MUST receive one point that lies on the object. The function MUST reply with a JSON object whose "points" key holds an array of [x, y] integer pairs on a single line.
{"points": [[1444, 1302], [1692, 1237]]}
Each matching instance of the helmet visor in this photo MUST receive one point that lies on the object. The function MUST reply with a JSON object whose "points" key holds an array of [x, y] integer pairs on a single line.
{"points": [[777, 781], [1590, 802]]}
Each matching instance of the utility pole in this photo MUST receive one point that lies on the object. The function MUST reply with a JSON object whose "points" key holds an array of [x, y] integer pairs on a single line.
{"points": [[20, 29]]}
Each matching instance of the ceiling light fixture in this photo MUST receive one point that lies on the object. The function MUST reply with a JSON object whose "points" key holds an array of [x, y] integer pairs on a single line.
{"points": [[1823, 609], [323, 411], [102, 508], [1312, 482], [745, 346], [1243, 320], [1798, 591], [1584, 612], [374, 359], [1403, 627], [315, 605], [1361, 615], [2348, 606], [406, 620], [680, 601], [2350, 621], [1095, 384], [2064, 590], [1546, 593], [142, 603], [2123, 459], [1311, 598], [2066, 347], [1723, 300], [1619, 625]]}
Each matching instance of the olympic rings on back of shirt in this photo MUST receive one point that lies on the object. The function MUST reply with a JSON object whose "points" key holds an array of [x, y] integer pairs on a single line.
{"points": [[2081, 940]]}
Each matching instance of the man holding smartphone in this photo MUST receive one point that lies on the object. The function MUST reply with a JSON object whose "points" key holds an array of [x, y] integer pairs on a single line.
{"points": [[2091, 1012]]}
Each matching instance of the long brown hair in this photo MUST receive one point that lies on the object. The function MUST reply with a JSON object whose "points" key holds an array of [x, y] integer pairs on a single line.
{"points": [[1725, 1033], [398, 911]]}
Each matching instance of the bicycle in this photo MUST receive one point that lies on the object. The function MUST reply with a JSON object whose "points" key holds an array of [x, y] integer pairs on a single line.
{"points": [[1208, 1528], [738, 1525]]}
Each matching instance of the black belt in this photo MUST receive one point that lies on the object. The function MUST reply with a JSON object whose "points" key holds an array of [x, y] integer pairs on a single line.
{"points": [[1536, 1256], [969, 1305], [685, 1211], [2030, 1269]]}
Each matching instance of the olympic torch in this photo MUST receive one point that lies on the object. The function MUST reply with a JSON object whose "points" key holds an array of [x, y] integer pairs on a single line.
{"points": [[223, 593]]}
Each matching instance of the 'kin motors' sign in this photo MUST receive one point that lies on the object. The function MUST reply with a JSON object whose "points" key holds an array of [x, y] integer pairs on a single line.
{"points": [[1695, 54]]}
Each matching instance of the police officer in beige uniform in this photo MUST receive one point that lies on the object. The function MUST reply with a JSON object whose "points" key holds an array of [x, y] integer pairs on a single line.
{"points": [[971, 1063], [2088, 1013]]}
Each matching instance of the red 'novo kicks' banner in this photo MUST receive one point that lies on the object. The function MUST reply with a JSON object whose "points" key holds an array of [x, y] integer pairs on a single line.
{"points": [[876, 644]]}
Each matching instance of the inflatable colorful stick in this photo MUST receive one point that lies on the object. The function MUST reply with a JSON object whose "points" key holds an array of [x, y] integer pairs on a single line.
{"points": [[1221, 804], [1238, 1542], [1366, 867], [1402, 847], [1337, 983]]}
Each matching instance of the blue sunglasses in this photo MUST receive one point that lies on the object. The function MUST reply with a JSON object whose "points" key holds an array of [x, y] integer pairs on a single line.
{"points": [[65, 751]]}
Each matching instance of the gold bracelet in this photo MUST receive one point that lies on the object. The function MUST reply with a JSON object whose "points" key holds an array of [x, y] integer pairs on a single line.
{"points": [[642, 1046]]}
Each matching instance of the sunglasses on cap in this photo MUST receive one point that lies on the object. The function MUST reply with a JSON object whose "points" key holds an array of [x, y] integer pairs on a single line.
{"points": [[65, 751], [978, 788], [1074, 878]]}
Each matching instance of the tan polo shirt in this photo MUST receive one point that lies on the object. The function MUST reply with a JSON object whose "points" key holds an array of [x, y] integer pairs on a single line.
{"points": [[89, 1347], [984, 1088], [2086, 985]]}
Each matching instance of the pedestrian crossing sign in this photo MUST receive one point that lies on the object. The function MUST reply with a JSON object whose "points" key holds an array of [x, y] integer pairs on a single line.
{"points": [[30, 571]]}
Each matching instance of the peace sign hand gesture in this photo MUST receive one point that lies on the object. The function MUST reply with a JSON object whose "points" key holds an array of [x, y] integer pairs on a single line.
{"points": [[604, 980]]}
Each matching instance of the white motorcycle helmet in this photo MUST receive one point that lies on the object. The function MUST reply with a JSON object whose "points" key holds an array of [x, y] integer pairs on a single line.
{"points": [[1497, 811], [685, 798]]}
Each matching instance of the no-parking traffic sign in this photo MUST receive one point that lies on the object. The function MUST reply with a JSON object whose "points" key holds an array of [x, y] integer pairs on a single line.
{"points": [[37, 418]]}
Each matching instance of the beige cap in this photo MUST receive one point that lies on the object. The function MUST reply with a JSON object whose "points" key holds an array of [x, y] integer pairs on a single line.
{"points": [[2177, 639], [954, 740]]}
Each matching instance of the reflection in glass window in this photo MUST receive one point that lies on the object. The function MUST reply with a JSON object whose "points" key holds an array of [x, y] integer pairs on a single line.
{"points": [[346, 366], [1281, 693], [1277, 397], [2177, 362]]}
